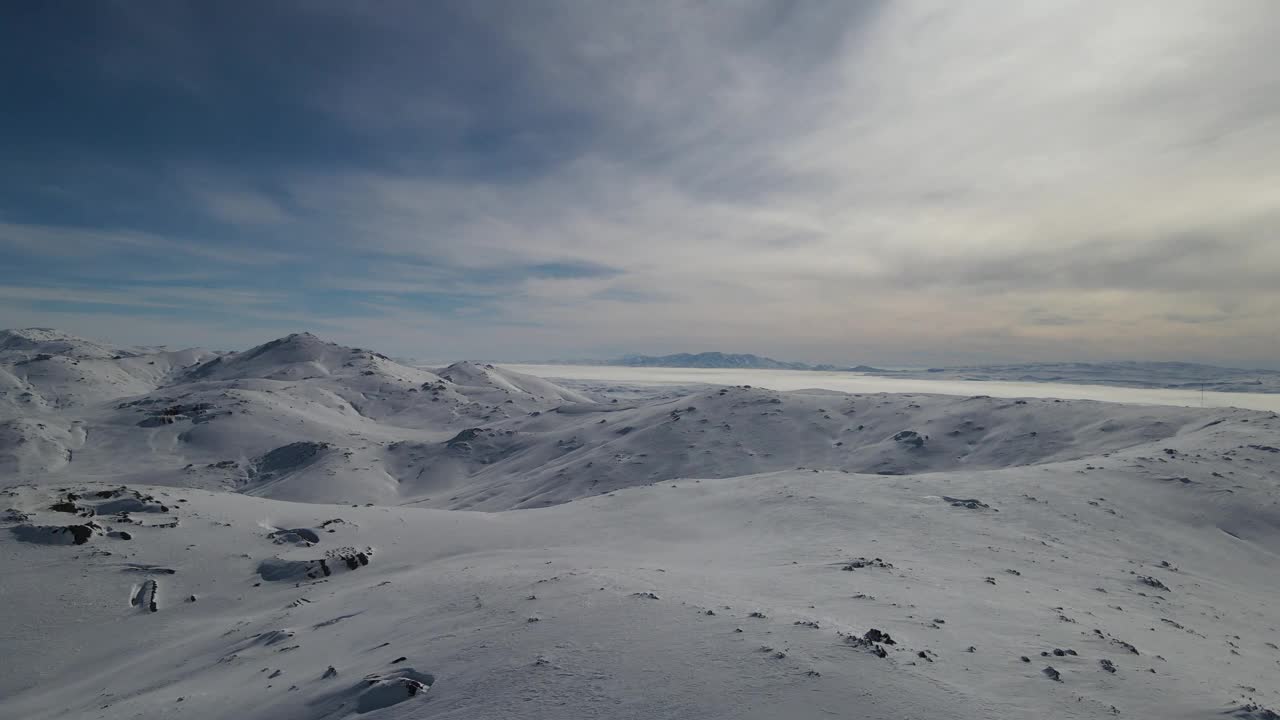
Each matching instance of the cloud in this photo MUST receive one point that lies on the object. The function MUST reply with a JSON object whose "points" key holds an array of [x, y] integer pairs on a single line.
{"points": [[76, 243], [869, 181], [239, 207]]}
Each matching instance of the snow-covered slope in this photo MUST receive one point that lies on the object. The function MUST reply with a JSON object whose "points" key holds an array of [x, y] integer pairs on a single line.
{"points": [[205, 420], [289, 532], [26, 343], [483, 380], [43, 369], [577, 451], [742, 597]]}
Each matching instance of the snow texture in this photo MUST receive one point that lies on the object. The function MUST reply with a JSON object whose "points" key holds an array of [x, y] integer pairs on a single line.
{"points": [[293, 532]]}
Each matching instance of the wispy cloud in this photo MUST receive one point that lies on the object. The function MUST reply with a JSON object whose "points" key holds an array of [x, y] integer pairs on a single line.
{"points": [[239, 207], [76, 243]]}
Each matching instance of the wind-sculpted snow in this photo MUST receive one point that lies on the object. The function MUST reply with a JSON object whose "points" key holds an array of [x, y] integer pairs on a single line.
{"points": [[777, 595], [291, 532], [556, 457]]}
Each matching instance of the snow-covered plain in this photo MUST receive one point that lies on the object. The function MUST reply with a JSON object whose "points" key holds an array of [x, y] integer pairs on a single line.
{"points": [[855, 382], [1174, 375], [304, 530]]}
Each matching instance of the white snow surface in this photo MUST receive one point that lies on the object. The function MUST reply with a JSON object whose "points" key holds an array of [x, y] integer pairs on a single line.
{"points": [[1075, 388], [304, 530]]}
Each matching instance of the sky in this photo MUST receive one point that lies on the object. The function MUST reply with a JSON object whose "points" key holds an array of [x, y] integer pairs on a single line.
{"points": [[905, 183]]}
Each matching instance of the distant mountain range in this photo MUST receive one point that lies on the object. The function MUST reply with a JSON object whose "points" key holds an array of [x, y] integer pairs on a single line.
{"points": [[723, 360]]}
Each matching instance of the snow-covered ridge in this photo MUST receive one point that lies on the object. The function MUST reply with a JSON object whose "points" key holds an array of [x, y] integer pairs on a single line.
{"points": [[303, 419], [43, 369], [26, 343]]}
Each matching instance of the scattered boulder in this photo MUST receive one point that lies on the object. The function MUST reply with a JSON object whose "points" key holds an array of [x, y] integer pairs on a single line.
{"points": [[1153, 582], [386, 689], [868, 644], [859, 563], [462, 439], [1128, 647], [970, 503], [1253, 711], [910, 438], [277, 569], [144, 596], [295, 536], [874, 635]]}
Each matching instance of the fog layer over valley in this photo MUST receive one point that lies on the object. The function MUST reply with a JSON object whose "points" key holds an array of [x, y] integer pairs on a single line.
{"points": [[306, 530]]}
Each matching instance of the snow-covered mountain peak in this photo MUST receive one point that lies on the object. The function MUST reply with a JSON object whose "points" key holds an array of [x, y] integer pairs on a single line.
{"points": [[293, 357]]}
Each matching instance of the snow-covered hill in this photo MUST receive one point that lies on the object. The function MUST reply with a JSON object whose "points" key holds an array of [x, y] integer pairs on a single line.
{"points": [[290, 532], [43, 369], [26, 343]]}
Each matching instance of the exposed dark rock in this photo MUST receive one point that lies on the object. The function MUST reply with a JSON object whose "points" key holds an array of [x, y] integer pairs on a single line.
{"points": [[145, 596], [81, 533], [910, 438], [1253, 711], [874, 635], [859, 563], [465, 436], [294, 536], [1152, 582], [970, 503]]}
